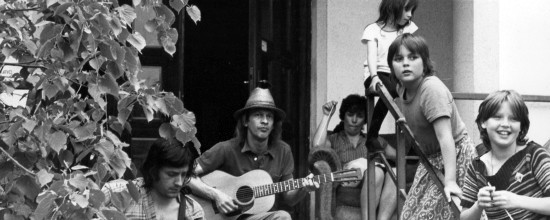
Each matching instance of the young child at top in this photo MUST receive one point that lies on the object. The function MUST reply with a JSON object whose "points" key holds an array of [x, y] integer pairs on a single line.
{"points": [[511, 180], [394, 20], [431, 113]]}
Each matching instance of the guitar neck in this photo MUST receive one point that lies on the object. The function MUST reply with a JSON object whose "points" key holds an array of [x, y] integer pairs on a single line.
{"points": [[292, 184]]}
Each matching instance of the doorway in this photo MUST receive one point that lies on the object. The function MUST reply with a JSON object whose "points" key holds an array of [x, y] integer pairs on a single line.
{"points": [[236, 45]]}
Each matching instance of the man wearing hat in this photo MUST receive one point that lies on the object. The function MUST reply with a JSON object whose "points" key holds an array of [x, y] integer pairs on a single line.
{"points": [[257, 145]]}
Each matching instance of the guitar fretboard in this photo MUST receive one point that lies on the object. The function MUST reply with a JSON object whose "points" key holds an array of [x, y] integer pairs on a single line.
{"points": [[270, 189]]}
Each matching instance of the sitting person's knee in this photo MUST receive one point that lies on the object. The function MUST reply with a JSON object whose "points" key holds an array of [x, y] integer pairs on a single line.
{"points": [[281, 215]]}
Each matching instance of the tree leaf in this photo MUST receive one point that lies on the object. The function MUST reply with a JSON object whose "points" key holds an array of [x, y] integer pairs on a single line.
{"points": [[85, 131], [137, 41], [151, 25], [132, 61], [185, 121], [196, 144], [44, 177], [75, 38], [169, 46], [148, 113], [120, 161], [177, 5], [44, 50], [79, 181], [172, 33], [105, 50], [106, 149], [114, 139], [62, 8], [49, 90], [185, 136], [114, 69], [161, 106], [96, 198], [194, 12], [50, 2], [121, 200], [123, 115], [169, 16], [79, 167], [116, 26], [127, 14], [31, 46], [6, 168], [50, 32], [67, 157], [108, 84], [80, 200], [97, 114], [45, 207], [27, 186], [112, 214], [8, 216], [93, 90], [133, 190], [22, 210], [29, 125], [173, 104], [57, 141], [60, 188], [68, 53]]}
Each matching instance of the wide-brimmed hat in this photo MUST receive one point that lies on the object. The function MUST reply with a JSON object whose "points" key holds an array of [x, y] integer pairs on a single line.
{"points": [[261, 98]]}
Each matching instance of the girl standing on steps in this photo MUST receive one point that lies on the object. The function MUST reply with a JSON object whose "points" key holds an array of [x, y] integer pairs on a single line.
{"points": [[432, 115], [512, 180], [395, 18]]}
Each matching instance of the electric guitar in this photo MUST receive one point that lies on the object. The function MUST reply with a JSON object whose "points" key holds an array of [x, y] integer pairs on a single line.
{"points": [[254, 192]]}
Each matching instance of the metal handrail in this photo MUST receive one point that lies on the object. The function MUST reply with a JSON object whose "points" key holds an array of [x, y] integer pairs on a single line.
{"points": [[482, 96]]}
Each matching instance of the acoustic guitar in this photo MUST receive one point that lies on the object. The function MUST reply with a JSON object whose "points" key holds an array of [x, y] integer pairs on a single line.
{"points": [[254, 192]]}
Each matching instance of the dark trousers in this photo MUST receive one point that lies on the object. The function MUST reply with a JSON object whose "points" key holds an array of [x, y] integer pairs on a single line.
{"points": [[380, 109]]}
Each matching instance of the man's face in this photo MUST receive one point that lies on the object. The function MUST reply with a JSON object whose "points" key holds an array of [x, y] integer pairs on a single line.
{"points": [[170, 182], [260, 123]]}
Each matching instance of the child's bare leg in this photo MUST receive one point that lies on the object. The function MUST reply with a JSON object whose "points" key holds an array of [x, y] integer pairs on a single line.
{"points": [[388, 205], [379, 180]]}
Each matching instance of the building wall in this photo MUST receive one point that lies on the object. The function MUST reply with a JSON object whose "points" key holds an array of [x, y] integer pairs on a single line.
{"points": [[478, 47]]}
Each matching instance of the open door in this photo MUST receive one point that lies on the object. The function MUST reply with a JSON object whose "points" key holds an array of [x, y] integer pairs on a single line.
{"points": [[279, 53], [237, 44]]}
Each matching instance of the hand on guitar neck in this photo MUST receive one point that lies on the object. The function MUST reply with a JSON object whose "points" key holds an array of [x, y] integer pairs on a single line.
{"points": [[254, 192]]}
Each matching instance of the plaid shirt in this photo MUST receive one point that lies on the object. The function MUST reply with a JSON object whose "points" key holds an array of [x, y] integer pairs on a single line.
{"points": [[145, 208]]}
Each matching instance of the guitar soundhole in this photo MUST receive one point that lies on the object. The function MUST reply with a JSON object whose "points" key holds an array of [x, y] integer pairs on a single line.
{"points": [[245, 194]]}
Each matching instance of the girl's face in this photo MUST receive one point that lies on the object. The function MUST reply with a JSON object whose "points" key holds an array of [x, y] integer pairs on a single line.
{"points": [[408, 67], [406, 16], [353, 123], [503, 127]]}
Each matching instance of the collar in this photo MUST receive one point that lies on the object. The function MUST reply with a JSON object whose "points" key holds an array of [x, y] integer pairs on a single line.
{"points": [[247, 148]]}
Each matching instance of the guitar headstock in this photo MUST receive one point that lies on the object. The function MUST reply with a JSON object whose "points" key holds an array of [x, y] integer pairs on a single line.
{"points": [[347, 175]]}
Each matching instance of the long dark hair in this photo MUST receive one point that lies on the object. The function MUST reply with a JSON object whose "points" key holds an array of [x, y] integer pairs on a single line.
{"points": [[392, 10], [490, 106], [167, 153]]}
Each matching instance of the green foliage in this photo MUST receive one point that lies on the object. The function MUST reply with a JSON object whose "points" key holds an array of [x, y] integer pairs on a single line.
{"points": [[61, 146]]}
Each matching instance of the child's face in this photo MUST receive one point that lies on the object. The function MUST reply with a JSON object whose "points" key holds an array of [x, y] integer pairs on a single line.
{"points": [[408, 67], [405, 17], [503, 127]]}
